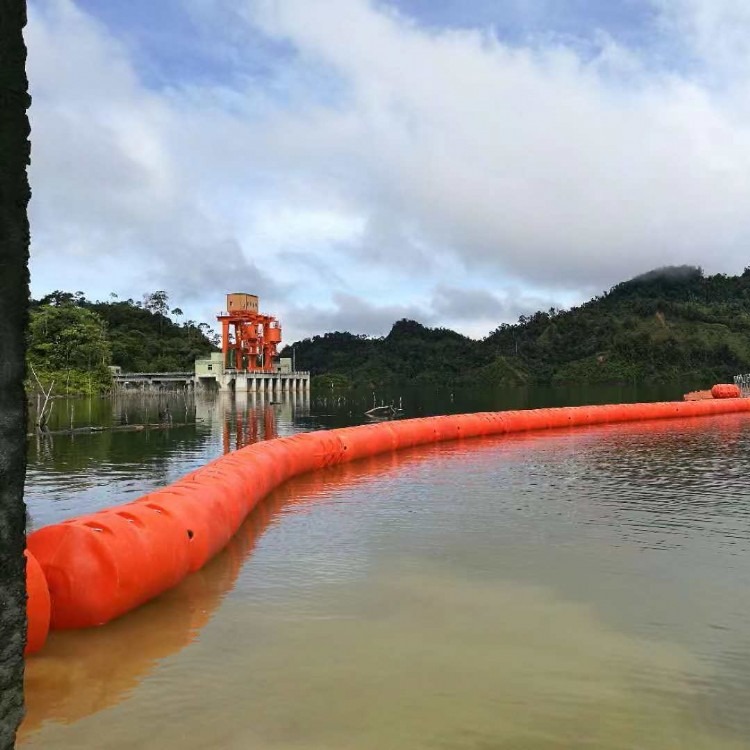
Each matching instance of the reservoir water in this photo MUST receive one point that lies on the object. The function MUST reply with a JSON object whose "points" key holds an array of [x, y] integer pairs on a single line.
{"points": [[566, 589]]}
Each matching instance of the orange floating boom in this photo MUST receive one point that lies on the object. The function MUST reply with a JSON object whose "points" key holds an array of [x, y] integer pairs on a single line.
{"points": [[726, 390], [101, 565], [37, 605]]}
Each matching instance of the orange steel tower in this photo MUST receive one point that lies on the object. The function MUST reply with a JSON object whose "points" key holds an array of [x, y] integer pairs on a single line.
{"points": [[248, 338]]}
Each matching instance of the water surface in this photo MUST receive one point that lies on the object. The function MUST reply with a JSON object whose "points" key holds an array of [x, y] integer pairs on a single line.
{"points": [[585, 588]]}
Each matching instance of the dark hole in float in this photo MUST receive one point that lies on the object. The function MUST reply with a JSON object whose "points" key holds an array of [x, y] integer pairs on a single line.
{"points": [[190, 533]]}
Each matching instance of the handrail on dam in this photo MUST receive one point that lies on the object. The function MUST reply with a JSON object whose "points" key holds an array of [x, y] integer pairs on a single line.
{"points": [[91, 569]]}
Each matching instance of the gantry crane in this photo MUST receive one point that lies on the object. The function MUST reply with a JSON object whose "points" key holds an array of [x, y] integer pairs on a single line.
{"points": [[249, 339]]}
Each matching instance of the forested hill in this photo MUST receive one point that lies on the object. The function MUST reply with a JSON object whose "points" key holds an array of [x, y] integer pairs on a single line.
{"points": [[72, 340], [669, 324]]}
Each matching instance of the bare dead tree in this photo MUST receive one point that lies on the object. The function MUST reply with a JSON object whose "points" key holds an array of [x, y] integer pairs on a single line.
{"points": [[43, 412]]}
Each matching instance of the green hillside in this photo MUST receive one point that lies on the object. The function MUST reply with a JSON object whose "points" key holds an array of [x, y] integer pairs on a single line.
{"points": [[72, 340], [671, 324]]}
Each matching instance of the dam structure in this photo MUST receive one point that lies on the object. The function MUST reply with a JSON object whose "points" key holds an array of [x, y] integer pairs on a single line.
{"points": [[212, 374], [248, 360]]}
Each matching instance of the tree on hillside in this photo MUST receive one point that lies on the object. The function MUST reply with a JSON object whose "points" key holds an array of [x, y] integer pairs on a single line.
{"points": [[72, 342], [58, 298], [667, 325], [144, 340], [156, 302], [14, 305], [68, 337]]}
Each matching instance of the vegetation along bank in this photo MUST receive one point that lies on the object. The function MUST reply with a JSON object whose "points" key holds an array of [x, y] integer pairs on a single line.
{"points": [[668, 325]]}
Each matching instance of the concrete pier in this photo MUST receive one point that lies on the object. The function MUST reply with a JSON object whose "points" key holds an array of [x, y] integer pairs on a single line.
{"points": [[212, 373], [274, 383], [153, 380]]}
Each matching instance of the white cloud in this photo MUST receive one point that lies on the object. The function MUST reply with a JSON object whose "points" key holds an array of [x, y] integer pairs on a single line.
{"points": [[122, 177], [533, 162], [410, 168], [356, 315], [713, 33]]}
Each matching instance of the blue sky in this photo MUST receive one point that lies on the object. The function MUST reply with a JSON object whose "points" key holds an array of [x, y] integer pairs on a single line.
{"points": [[354, 161], [176, 40]]}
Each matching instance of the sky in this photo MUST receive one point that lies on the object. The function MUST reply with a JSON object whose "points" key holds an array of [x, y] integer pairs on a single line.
{"points": [[353, 162]]}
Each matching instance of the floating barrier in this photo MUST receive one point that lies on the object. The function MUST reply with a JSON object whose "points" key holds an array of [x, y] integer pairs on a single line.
{"points": [[37, 605], [721, 390], [101, 565], [726, 390]]}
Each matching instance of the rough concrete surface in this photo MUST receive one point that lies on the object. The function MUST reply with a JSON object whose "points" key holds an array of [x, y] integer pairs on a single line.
{"points": [[14, 294]]}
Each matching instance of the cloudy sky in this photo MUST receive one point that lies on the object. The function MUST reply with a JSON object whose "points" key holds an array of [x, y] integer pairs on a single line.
{"points": [[460, 162]]}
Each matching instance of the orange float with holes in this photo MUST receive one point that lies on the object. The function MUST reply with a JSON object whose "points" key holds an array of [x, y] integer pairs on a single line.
{"points": [[726, 390], [37, 605], [88, 570]]}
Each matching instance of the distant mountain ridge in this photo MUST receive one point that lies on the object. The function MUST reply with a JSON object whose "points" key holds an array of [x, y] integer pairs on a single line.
{"points": [[669, 324]]}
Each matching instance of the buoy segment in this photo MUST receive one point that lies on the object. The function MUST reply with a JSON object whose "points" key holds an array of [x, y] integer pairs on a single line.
{"points": [[97, 567], [37, 605], [726, 390]]}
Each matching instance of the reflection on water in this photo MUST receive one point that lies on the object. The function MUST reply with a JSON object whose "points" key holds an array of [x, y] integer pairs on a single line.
{"points": [[73, 474], [81, 672], [585, 588]]}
